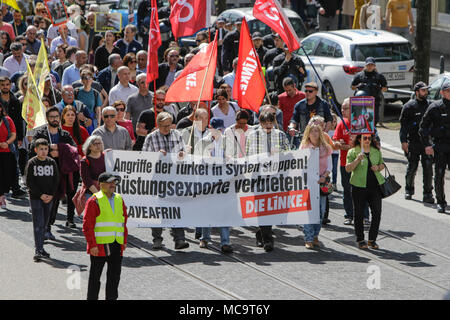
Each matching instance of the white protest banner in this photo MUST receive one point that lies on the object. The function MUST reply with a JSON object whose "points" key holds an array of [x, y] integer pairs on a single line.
{"points": [[165, 191]]}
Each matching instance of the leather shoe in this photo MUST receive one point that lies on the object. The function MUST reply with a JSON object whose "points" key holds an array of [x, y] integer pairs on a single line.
{"points": [[268, 247], [428, 199], [408, 196], [441, 208], [181, 244], [226, 248]]}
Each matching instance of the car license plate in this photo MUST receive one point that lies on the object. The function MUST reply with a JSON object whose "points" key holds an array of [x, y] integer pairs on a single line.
{"points": [[394, 76]]}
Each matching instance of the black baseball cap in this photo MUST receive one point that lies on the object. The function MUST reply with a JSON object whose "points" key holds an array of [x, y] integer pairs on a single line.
{"points": [[420, 85], [109, 177], [256, 35], [370, 60]]}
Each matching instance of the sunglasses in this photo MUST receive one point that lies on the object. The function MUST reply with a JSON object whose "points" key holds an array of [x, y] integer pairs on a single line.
{"points": [[112, 116], [120, 109], [309, 91], [133, 61], [367, 138]]}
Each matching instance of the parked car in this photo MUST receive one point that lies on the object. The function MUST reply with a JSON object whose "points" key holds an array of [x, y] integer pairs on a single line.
{"points": [[339, 55], [435, 86]]}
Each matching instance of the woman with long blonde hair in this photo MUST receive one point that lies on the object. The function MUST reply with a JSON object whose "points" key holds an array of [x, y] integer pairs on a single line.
{"points": [[313, 138]]}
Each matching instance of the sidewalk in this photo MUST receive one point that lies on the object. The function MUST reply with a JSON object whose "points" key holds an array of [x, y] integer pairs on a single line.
{"points": [[390, 139], [23, 279]]}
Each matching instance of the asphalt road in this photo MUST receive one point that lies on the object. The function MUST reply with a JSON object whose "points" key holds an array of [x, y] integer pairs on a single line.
{"points": [[413, 262]]}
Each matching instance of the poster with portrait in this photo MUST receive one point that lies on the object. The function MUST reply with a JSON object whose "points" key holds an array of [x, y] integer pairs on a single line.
{"points": [[57, 11], [108, 22], [362, 115]]}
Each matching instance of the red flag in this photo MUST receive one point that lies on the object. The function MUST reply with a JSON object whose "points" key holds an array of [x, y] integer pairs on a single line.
{"points": [[271, 13], [249, 86], [198, 75], [154, 42], [187, 17]]}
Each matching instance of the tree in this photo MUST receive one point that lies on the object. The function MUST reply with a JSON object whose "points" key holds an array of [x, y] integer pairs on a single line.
{"points": [[422, 41]]}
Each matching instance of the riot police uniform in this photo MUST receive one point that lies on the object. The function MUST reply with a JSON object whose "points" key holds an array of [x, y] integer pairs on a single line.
{"points": [[435, 131], [410, 117], [372, 84]]}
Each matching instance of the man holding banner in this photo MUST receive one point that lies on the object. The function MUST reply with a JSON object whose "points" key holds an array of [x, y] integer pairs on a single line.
{"points": [[266, 140], [166, 140]]}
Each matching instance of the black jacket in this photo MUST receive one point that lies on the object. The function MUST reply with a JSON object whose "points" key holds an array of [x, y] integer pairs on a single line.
{"points": [[330, 7], [435, 125], [271, 55], [410, 117], [104, 77], [14, 109], [42, 132], [163, 71], [230, 50], [283, 69]]}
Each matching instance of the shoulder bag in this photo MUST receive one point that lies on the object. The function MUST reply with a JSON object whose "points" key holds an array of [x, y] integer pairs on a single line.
{"points": [[390, 186]]}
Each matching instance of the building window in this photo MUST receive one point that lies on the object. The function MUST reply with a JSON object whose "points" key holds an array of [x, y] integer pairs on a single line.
{"points": [[443, 16]]}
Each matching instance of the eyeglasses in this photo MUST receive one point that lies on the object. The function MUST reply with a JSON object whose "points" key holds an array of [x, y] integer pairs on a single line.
{"points": [[112, 116], [120, 109], [367, 138]]}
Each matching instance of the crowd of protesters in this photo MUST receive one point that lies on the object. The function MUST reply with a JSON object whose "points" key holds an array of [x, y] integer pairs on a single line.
{"points": [[97, 99]]}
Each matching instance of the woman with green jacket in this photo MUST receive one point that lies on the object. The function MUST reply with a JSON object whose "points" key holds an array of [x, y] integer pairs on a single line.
{"points": [[365, 162]]}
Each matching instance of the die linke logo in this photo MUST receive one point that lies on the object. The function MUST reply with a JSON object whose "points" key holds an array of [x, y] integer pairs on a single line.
{"points": [[275, 203]]}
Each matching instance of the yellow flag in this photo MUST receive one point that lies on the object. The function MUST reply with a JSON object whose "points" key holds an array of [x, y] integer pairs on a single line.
{"points": [[32, 107], [41, 70], [12, 3]]}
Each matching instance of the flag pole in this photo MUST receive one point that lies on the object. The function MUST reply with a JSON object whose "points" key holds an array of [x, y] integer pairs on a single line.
{"points": [[203, 86], [154, 102]]}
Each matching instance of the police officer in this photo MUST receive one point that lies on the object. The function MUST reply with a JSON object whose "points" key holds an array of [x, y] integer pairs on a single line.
{"points": [[435, 135], [288, 64], [410, 117], [230, 47], [272, 53], [104, 227], [372, 83]]}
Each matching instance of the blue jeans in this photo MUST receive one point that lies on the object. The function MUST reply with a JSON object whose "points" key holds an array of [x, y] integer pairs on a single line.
{"points": [[312, 230], [335, 159], [224, 235], [41, 215]]}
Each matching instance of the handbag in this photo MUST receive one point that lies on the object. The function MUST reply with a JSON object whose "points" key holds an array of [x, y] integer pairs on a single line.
{"points": [[79, 199], [390, 186]]}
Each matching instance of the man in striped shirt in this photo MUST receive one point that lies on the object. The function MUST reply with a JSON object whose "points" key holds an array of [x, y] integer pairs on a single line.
{"points": [[266, 139], [166, 140]]}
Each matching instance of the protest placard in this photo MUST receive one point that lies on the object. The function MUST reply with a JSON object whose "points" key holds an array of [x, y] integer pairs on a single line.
{"points": [[57, 11], [108, 22], [164, 191], [362, 115]]}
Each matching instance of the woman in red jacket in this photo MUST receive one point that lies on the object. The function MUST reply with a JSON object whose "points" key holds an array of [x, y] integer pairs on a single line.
{"points": [[79, 134], [7, 158]]}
